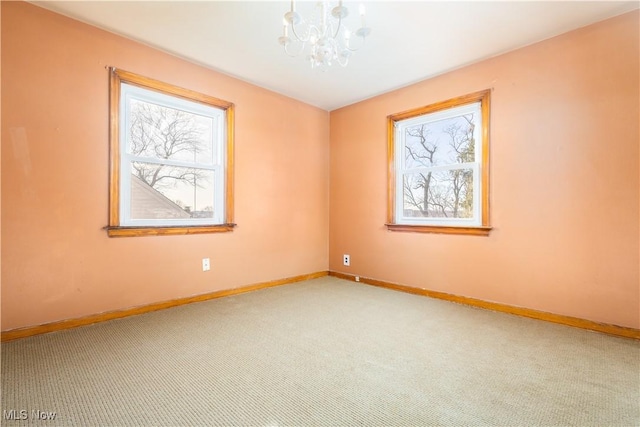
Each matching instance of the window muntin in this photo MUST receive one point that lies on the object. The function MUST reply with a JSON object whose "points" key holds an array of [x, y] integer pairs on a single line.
{"points": [[171, 159], [439, 166]]}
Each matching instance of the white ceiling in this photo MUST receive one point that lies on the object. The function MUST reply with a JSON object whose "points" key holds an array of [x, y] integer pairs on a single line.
{"points": [[410, 40]]}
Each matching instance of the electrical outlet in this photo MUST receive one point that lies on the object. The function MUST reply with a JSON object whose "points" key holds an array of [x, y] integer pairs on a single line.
{"points": [[346, 260], [206, 264], [357, 278]]}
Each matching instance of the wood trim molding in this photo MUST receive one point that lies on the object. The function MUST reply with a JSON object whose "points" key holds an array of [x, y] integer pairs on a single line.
{"points": [[122, 76], [442, 105], [167, 231], [114, 147], [110, 315], [485, 105], [615, 330], [620, 331], [391, 171], [470, 231], [230, 165]]}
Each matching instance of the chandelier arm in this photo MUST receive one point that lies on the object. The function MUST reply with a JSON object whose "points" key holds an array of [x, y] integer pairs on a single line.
{"points": [[350, 49], [293, 55], [295, 33], [338, 27], [346, 60]]}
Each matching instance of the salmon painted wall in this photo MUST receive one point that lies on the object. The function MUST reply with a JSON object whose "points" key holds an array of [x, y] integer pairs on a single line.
{"points": [[564, 181], [57, 262]]}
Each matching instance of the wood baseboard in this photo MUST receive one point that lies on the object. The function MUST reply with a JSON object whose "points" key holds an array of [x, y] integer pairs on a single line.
{"points": [[110, 315], [619, 331]]}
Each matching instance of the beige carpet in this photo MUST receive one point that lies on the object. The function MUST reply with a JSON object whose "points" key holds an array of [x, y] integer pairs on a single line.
{"points": [[323, 352]]}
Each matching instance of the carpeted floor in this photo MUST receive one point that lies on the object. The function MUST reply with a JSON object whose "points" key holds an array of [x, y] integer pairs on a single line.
{"points": [[323, 352]]}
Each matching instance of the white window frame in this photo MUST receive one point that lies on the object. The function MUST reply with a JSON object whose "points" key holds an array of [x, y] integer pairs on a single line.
{"points": [[129, 93], [476, 165]]}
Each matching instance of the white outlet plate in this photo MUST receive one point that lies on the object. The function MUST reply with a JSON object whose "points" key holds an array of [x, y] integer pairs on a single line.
{"points": [[206, 264], [346, 260]]}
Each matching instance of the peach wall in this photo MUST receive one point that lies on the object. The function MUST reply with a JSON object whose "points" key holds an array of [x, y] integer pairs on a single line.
{"points": [[564, 181], [57, 262], [565, 177]]}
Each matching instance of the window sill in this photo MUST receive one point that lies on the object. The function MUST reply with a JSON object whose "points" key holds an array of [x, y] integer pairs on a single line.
{"points": [[167, 231], [471, 231]]}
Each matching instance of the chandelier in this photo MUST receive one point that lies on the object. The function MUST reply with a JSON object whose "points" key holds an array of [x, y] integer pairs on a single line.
{"points": [[324, 32]]}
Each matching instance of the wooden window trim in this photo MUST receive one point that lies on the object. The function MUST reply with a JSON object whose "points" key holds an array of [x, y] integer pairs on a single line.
{"points": [[440, 229], [167, 231], [482, 230], [114, 229]]}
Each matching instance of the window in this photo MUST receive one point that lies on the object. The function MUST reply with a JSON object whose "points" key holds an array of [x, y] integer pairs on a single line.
{"points": [[171, 159], [439, 167]]}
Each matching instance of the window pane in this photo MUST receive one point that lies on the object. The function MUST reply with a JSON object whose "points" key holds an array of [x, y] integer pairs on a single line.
{"points": [[439, 194], [168, 192], [168, 133], [439, 143]]}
